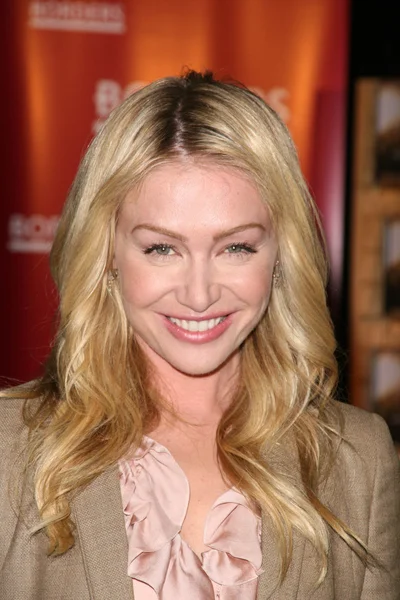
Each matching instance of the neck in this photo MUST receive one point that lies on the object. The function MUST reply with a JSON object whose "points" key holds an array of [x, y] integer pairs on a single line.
{"points": [[200, 399]]}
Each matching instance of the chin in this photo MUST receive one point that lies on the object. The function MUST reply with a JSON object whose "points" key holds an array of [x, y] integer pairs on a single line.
{"points": [[197, 371], [202, 369], [189, 363]]}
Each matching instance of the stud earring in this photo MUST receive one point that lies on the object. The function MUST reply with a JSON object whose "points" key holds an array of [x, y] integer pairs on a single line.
{"points": [[112, 277], [277, 274]]}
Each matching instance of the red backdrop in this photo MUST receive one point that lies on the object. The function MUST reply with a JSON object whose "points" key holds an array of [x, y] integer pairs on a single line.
{"points": [[68, 63]]}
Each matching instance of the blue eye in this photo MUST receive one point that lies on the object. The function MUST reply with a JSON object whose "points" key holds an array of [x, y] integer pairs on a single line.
{"points": [[240, 248], [160, 249]]}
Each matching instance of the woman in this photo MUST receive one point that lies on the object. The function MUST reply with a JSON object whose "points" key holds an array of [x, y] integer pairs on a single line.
{"points": [[193, 376]]}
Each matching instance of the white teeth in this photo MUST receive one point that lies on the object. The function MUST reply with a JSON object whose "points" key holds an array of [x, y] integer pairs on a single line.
{"points": [[192, 325], [203, 325], [197, 325]]}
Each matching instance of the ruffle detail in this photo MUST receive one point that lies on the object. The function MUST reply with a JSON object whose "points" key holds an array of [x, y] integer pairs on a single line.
{"points": [[155, 495]]}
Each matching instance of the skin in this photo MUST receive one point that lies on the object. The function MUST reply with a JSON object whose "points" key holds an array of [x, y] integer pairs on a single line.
{"points": [[217, 259]]}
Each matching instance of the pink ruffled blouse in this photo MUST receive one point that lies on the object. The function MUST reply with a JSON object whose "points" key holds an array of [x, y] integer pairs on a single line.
{"points": [[155, 495]]}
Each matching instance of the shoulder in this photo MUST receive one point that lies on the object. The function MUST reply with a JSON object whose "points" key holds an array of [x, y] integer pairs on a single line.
{"points": [[12, 424], [13, 432], [354, 416], [366, 466], [363, 432], [11, 420], [364, 456]]}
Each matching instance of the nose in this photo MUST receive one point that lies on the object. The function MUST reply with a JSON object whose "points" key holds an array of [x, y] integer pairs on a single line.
{"points": [[199, 289]]}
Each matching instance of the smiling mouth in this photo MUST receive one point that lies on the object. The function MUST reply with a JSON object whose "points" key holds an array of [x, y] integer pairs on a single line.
{"points": [[195, 326]]}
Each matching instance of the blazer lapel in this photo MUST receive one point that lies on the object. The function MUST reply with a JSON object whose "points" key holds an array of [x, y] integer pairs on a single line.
{"points": [[97, 512], [284, 459]]}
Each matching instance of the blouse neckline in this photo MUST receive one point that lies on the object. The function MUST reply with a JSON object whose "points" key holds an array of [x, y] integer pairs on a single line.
{"points": [[155, 495]]}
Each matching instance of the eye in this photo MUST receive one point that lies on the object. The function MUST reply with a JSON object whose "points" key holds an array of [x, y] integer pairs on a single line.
{"points": [[160, 249], [240, 248]]}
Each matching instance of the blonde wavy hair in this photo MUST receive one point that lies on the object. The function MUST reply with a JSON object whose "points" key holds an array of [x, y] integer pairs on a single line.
{"points": [[95, 401]]}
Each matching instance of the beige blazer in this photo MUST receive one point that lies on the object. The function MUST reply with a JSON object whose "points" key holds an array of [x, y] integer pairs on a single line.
{"points": [[363, 490]]}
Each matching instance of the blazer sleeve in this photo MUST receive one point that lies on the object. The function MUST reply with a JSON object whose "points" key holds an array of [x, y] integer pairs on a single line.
{"points": [[383, 582], [12, 438]]}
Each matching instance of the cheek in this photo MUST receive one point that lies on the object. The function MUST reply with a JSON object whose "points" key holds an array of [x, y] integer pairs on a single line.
{"points": [[255, 285], [260, 289], [140, 286]]}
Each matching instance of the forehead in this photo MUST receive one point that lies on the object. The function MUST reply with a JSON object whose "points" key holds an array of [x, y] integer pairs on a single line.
{"points": [[200, 194]]}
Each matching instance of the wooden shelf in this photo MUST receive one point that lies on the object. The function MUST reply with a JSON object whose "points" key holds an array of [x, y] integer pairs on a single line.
{"points": [[374, 205]]}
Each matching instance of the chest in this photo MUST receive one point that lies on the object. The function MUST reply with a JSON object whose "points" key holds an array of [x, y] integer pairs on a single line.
{"points": [[205, 488], [199, 463]]}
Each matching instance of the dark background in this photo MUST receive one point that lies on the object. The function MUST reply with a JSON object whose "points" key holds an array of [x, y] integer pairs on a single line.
{"points": [[374, 51]]}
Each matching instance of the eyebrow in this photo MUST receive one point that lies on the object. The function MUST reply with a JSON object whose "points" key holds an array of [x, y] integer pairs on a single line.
{"points": [[182, 238]]}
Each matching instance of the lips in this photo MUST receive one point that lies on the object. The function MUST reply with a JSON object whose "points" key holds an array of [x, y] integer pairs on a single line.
{"points": [[198, 331]]}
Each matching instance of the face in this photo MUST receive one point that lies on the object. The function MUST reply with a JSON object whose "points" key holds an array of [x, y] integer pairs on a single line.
{"points": [[195, 252]]}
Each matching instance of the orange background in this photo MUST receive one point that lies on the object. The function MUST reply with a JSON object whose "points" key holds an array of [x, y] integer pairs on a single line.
{"points": [[294, 52]]}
